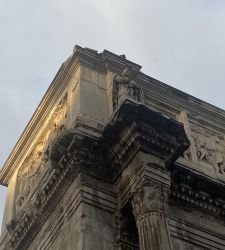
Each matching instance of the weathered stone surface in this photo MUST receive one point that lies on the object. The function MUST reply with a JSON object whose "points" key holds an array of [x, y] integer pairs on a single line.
{"points": [[113, 159]]}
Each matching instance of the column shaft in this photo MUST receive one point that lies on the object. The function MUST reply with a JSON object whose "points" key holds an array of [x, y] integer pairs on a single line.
{"points": [[150, 205]]}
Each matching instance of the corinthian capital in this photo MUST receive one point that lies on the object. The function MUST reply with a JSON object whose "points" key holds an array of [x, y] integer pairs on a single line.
{"points": [[150, 198]]}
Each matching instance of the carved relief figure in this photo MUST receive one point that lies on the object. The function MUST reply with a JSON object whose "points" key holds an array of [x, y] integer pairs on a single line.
{"points": [[31, 167], [124, 86], [57, 124], [187, 154], [28, 174], [210, 148]]}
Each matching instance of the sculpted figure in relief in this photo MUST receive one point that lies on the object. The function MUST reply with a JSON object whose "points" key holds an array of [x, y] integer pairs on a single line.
{"points": [[28, 174], [210, 148], [35, 162], [124, 86], [57, 125], [31, 167]]}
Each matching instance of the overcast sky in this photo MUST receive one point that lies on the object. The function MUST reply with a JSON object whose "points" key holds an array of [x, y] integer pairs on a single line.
{"points": [[180, 42]]}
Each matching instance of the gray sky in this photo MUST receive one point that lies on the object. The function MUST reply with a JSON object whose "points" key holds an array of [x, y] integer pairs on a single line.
{"points": [[180, 42]]}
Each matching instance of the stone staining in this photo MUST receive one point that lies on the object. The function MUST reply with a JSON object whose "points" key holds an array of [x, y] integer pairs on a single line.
{"points": [[125, 233], [210, 148], [124, 87]]}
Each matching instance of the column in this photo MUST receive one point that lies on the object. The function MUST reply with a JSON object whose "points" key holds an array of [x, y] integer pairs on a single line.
{"points": [[150, 206]]}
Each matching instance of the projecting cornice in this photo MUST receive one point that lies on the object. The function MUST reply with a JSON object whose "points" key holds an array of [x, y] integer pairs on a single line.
{"points": [[80, 57], [104, 62], [135, 127]]}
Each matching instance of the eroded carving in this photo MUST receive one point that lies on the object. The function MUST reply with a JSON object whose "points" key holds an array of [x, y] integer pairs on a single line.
{"points": [[124, 86], [57, 123], [210, 148], [34, 163], [149, 198], [150, 205], [28, 174]]}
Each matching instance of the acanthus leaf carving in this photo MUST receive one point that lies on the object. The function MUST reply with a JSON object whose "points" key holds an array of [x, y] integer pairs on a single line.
{"points": [[150, 198]]}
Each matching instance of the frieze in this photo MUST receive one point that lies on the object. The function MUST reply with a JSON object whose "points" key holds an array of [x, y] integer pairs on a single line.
{"points": [[207, 149], [72, 152], [57, 123], [34, 163], [76, 153], [28, 175], [210, 147]]}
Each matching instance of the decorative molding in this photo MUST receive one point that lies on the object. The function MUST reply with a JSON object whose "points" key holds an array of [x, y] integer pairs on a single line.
{"points": [[210, 148], [191, 190], [74, 156], [135, 127], [35, 162], [102, 62]]}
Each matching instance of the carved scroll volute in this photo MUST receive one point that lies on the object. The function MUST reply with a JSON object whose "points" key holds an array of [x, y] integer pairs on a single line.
{"points": [[150, 206]]}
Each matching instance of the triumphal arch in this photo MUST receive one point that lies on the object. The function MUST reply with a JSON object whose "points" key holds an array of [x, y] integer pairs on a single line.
{"points": [[113, 159]]}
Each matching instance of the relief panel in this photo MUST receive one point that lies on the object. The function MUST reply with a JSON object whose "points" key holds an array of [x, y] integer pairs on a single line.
{"points": [[210, 147], [207, 150], [35, 163]]}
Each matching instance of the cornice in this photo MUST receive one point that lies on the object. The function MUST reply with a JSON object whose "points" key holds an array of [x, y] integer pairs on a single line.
{"points": [[47, 103], [135, 127], [197, 192], [81, 57], [182, 97], [102, 62], [72, 153]]}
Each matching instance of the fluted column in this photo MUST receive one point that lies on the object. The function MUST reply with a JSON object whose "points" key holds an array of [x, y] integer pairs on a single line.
{"points": [[150, 205]]}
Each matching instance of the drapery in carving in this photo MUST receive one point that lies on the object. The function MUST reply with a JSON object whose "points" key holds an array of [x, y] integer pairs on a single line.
{"points": [[124, 86]]}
